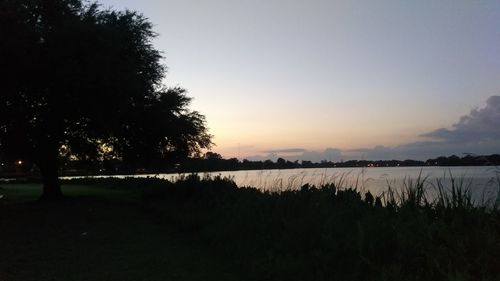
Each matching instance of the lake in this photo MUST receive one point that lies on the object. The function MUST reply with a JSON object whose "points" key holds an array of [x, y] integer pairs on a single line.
{"points": [[483, 180]]}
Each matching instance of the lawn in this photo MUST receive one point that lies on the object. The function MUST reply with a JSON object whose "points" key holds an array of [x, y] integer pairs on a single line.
{"points": [[98, 233]]}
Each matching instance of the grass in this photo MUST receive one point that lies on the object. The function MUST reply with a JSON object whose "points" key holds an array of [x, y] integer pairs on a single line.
{"points": [[208, 228], [99, 233]]}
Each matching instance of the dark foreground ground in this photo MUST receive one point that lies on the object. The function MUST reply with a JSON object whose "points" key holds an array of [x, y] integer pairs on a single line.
{"points": [[211, 230], [102, 235]]}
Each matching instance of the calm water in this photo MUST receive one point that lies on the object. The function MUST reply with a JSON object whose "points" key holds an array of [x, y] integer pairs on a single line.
{"points": [[482, 180]]}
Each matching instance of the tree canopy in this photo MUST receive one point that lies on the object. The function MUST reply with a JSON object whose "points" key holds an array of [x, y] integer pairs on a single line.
{"points": [[77, 80]]}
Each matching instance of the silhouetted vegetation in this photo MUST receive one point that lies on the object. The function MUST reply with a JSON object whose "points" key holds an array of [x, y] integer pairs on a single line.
{"points": [[214, 162], [468, 160], [217, 163], [325, 233], [83, 83]]}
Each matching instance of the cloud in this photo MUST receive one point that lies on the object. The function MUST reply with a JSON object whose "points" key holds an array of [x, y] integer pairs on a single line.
{"points": [[300, 154], [480, 125], [286, 150], [423, 150], [477, 132], [329, 154]]}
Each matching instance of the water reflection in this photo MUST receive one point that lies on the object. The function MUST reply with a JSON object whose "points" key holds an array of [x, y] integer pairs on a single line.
{"points": [[483, 181]]}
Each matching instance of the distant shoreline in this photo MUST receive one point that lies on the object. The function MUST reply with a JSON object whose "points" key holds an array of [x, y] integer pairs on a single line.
{"points": [[218, 164], [64, 176]]}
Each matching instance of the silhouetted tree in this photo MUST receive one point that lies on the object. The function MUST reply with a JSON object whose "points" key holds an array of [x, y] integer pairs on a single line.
{"points": [[213, 156], [81, 81], [280, 163]]}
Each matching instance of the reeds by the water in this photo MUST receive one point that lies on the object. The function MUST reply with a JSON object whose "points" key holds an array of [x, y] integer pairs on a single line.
{"points": [[446, 192], [421, 229]]}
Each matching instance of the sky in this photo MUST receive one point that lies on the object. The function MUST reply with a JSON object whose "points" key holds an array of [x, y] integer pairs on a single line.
{"points": [[335, 80]]}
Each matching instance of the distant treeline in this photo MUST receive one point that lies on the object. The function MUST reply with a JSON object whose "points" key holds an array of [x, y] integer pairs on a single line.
{"points": [[214, 162]]}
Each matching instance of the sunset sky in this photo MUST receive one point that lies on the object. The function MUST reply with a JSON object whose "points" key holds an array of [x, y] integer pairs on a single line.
{"points": [[336, 79]]}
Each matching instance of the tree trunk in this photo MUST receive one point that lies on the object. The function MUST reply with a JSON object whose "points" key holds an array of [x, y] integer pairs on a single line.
{"points": [[50, 178]]}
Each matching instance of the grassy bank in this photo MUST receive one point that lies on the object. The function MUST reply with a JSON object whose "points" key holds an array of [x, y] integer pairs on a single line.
{"points": [[99, 233], [199, 229]]}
